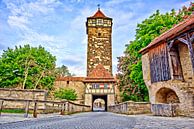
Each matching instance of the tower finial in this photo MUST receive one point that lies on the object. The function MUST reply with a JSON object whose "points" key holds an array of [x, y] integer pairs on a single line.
{"points": [[98, 6]]}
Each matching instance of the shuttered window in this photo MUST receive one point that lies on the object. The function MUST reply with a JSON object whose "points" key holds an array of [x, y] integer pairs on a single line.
{"points": [[159, 64]]}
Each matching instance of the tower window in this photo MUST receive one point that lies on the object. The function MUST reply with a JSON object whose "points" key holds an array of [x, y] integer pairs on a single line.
{"points": [[99, 22], [99, 34]]}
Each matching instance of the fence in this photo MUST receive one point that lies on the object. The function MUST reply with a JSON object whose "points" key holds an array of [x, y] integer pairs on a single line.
{"points": [[65, 107]]}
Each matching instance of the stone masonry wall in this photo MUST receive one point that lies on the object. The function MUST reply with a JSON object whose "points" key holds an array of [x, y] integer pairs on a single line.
{"points": [[185, 62], [21, 94], [183, 89], [78, 86], [169, 110], [99, 48], [131, 107]]}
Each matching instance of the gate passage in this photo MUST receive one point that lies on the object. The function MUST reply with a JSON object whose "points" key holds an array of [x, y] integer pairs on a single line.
{"points": [[99, 103]]}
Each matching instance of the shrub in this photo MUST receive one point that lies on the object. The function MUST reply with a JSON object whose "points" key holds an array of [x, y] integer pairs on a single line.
{"points": [[65, 93]]}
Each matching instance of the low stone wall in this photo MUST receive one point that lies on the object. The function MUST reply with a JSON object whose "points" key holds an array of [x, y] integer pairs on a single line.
{"points": [[170, 110], [51, 106], [22, 94], [73, 108], [131, 107]]}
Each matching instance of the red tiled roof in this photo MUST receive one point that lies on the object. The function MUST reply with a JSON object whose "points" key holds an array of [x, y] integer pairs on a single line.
{"points": [[99, 14], [68, 78], [182, 26], [91, 80], [99, 72]]}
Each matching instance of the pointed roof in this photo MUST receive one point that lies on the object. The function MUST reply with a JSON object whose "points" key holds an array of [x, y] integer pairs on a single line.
{"points": [[99, 14], [99, 74]]}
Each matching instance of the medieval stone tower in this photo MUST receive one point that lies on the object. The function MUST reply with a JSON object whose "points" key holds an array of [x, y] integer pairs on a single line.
{"points": [[99, 51], [99, 82]]}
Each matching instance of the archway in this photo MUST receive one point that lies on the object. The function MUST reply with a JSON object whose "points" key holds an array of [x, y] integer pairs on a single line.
{"points": [[99, 102], [166, 95]]}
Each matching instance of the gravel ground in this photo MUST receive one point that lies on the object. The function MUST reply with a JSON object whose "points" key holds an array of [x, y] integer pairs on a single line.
{"points": [[95, 120]]}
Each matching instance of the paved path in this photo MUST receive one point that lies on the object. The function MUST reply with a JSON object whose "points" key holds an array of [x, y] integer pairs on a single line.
{"points": [[100, 120]]}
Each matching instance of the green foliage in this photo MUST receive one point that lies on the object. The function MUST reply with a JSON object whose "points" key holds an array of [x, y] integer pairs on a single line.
{"points": [[130, 74], [63, 71], [65, 93], [13, 111], [27, 67]]}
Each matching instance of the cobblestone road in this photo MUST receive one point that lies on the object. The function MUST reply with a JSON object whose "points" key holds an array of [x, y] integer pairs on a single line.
{"points": [[102, 120]]}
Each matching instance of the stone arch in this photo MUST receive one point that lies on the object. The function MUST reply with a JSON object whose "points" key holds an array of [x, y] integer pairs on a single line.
{"points": [[166, 95], [102, 98]]}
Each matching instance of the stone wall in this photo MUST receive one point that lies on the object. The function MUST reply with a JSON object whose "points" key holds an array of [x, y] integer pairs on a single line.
{"points": [[73, 108], [183, 90], [78, 86], [21, 94], [131, 107], [165, 109], [185, 62], [99, 49]]}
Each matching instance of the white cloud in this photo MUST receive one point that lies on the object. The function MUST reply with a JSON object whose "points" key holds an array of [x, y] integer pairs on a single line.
{"points": [[78, 22], [79, 70], [187, 3], [18, 21], [23, 11], [59, 26]]}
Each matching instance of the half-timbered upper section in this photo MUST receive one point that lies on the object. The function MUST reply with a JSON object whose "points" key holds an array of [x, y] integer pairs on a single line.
{"points": [[171, 55]]}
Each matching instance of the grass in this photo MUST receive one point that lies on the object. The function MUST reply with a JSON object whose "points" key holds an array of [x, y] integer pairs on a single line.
{"points": [[13, 111]]}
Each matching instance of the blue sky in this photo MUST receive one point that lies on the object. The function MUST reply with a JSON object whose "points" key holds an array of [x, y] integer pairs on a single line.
{"points": [[59, 25]]}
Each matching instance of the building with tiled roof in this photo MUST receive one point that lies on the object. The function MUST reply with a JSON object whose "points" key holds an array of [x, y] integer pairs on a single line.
{"points": [[168, 70], [99, 81]]}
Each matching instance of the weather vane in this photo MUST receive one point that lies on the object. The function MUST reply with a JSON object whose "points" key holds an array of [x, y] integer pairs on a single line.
{"points": [[98, 6]]}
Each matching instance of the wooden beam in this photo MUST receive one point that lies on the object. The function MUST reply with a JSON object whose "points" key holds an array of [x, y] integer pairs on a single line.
{"points": [[183, 40], [192, 38], [62, 108], [170, 44], [190, 47], [35, 110], [1, 106], [26, 109]]}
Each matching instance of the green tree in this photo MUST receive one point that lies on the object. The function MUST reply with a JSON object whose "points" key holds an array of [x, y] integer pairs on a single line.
{"points": [[65, 93], [27, 67], [130, 74], [63, 71]]}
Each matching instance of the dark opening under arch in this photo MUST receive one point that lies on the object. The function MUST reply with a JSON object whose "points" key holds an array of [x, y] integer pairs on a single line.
{"points": [[103, 97], [166, 95]]}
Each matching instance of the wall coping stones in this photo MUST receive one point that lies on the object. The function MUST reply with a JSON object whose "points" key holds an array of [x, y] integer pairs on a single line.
{"points": [[26, 90]]}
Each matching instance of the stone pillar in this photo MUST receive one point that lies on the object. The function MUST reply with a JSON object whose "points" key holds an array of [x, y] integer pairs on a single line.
{"points": [[88, 99], [110, 99]]}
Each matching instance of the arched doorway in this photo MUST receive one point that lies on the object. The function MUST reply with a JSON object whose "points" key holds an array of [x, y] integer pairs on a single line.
{"points": [[99, 102], [166, 95]]}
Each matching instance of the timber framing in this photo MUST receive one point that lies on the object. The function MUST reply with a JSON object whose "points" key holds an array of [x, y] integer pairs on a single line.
{"points": [[181, 28], [187, 39]]}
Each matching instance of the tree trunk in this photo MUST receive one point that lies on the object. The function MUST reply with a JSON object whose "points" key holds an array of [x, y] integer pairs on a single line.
{"points": [[25, 78], [39, 79]]}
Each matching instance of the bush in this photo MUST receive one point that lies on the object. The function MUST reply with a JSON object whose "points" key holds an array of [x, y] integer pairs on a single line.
{"points": [[65, 93]]}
